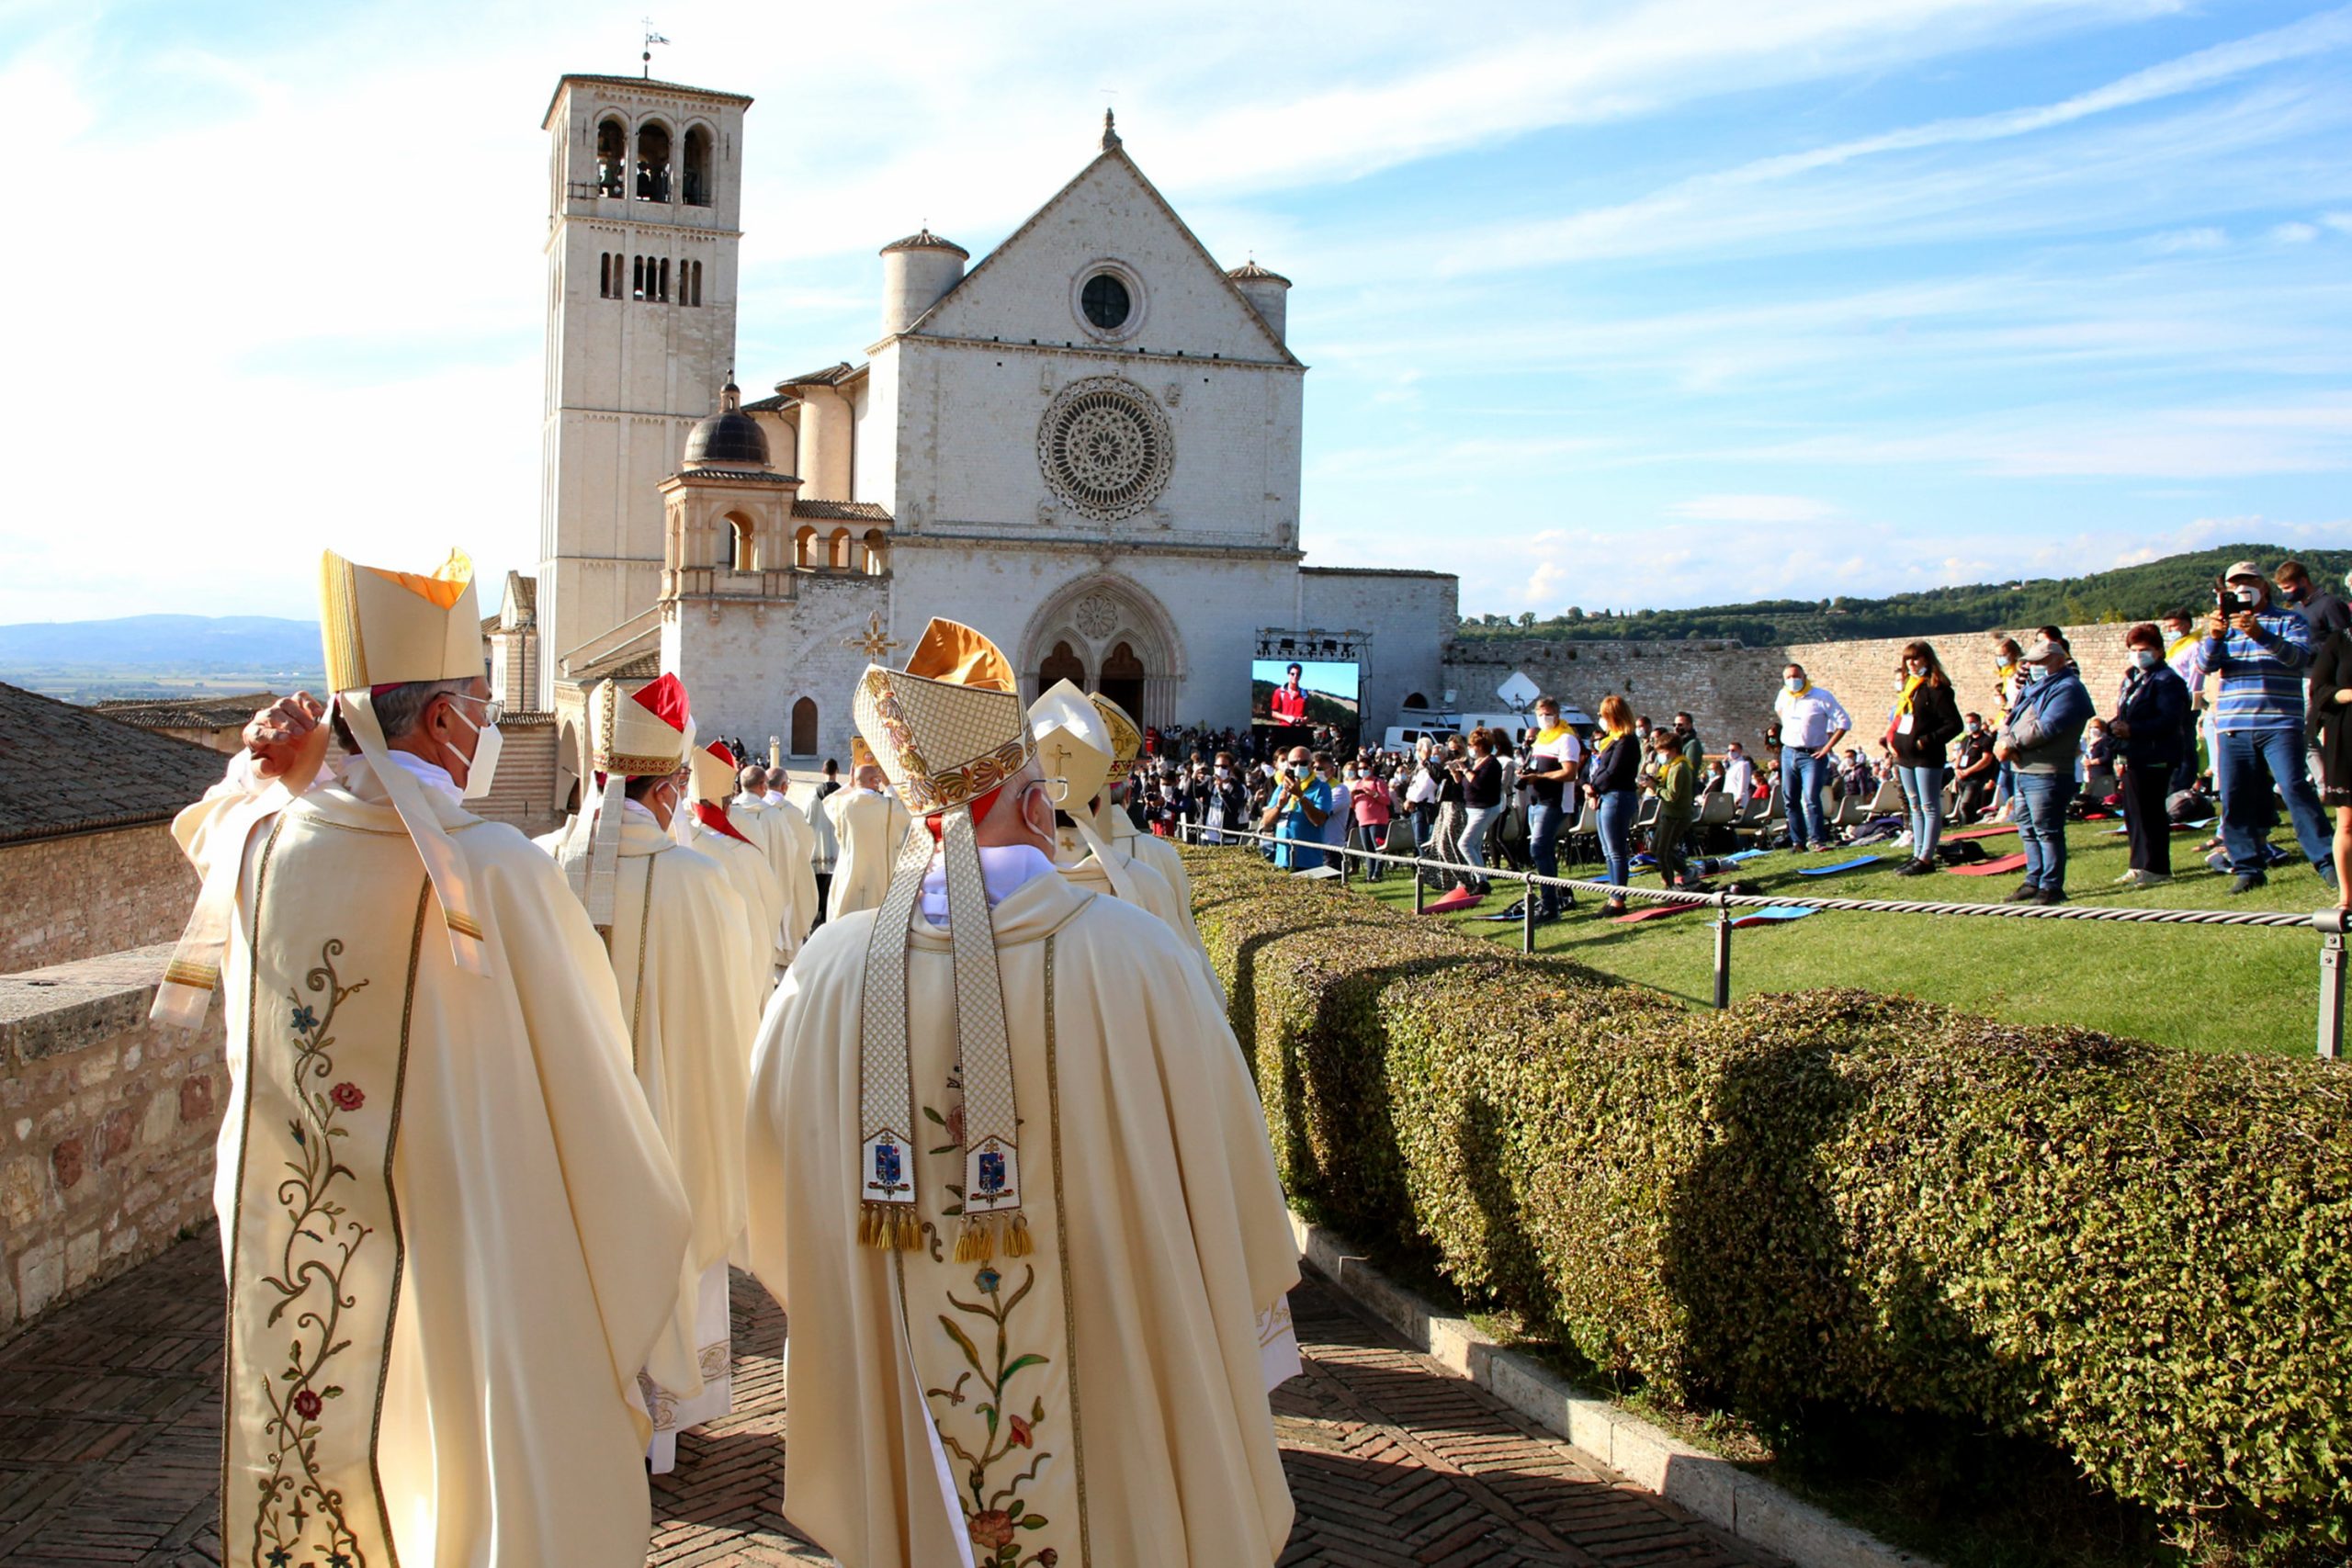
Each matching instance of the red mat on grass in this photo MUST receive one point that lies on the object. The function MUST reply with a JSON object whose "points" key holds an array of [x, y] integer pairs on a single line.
{"points": [[1460, 899], [1991, 867], [1652, 913], [1995, 831]]}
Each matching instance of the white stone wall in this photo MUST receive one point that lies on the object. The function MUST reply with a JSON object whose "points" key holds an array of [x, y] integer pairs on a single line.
{"points": [[1028, 286], [967, 418], [1210, 609], [747, 664], [1409, 614]]}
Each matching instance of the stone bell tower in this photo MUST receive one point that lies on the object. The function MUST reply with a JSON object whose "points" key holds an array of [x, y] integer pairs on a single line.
{"points": [[644, 200]]}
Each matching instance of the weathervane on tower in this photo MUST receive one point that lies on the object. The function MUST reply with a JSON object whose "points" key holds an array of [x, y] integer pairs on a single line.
{"points": [[652, 38]]}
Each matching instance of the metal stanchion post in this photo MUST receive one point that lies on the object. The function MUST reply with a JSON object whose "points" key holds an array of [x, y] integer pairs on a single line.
{"points": [[2330, 983], [1420, 891], [1347, 858], [1722, 949], [1526, 914]]}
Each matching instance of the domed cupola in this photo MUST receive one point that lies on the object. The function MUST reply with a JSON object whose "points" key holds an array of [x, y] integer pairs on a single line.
{"points": [[728, 439]]}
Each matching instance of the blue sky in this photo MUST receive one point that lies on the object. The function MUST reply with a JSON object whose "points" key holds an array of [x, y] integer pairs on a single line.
{"points": [[1650, 303]]}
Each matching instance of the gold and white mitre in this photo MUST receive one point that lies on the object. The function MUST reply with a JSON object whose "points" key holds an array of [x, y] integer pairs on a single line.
{"points": [[643, 734], [948, 732], [379, 629]]}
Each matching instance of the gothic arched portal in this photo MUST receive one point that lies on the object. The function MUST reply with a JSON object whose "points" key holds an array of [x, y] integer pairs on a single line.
{"points": [[1112, 629]]}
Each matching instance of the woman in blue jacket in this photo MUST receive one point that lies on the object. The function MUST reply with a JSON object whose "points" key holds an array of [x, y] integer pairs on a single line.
{"points": [[2151, 731], [2039, 739]]}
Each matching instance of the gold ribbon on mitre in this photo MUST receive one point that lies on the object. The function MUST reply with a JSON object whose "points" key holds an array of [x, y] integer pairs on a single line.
{"points": [[379, 629], [643, 734], [860, 753], [1076, 753], [947, 731]]}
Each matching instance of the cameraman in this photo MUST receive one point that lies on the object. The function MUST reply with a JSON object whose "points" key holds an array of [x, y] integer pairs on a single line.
{"points": [[1297, 812], [2260, 653]]}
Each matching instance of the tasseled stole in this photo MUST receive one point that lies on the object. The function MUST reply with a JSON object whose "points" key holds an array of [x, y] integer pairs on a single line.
{"points": [[992, 1222]]}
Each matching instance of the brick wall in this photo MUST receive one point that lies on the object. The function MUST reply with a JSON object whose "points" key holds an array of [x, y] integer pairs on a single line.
{"points": [[90, 893], [1728, 687], [107, 1127]]}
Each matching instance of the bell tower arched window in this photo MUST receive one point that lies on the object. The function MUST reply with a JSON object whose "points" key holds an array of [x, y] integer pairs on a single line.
{"points": [[612, 158], [698, 170], [738, 542], [653, 161]]}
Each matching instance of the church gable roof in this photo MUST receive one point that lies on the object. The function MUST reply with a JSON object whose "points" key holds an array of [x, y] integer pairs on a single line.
{"points": [[1025, 287]]}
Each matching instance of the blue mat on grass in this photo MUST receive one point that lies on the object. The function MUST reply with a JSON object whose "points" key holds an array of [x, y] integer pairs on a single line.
{"points": [[1775, 915], [1857, 862]]}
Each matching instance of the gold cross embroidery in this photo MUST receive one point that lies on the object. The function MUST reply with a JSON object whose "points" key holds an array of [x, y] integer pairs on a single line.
{"points": [[876, 644]]}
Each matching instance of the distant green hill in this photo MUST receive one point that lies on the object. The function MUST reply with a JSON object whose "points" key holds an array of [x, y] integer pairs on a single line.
{"points": [[2127, 593]]}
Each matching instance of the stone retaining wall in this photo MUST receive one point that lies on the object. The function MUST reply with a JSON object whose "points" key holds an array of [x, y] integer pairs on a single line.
{"points": [[1728, 687], [87, 894], [107, 1127]]}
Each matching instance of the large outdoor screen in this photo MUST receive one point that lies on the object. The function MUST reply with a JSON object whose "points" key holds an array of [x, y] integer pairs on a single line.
{"points": [[1306, 702]]}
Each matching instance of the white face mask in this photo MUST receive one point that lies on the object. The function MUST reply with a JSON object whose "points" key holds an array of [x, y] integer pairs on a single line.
{"points": [[483, 769], [2146, 658], [1793, 683]]}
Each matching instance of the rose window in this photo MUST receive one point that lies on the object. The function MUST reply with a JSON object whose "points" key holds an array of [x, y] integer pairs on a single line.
{"points": [[1104, 448]]}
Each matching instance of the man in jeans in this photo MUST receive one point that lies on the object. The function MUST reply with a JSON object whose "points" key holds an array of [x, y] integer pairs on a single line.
{"points": [[2260, 651], [1552, 761], [1812, 723]]}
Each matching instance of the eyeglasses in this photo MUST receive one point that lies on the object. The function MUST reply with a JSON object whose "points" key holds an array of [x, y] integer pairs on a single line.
{"points": [[492, 710]]}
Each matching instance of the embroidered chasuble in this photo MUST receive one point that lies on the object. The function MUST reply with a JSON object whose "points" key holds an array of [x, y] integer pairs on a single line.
{"points": [[451, 1231], [1100, 1401], [682, 964], [800, 887], [867, 829]]}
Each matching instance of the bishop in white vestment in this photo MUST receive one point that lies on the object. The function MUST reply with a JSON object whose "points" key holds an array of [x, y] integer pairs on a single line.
{"points": [[778, 830], [1011, 1180], [450, 1226], [714, 833], [869, 824], [678, 939]]}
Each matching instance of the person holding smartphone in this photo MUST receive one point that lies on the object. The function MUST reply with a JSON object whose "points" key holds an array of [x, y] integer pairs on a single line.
{"points": [[1296, 811]]}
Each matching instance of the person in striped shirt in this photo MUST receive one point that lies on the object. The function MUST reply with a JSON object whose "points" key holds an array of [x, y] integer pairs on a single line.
{"points": [[2260, 651]]}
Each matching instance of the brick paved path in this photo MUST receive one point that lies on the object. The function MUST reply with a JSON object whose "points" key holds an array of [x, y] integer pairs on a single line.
{"points": [[109, 1450]]}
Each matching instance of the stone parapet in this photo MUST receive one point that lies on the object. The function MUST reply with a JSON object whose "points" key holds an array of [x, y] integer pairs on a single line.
{"points": [[107, 1127]]}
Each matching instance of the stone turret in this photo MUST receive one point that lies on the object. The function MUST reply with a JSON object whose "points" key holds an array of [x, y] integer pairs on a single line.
{"points": [[1269, 291], [917, 273]]}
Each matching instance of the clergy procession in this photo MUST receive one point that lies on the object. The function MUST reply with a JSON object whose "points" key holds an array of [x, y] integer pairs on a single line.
{"points": [[503, 1112]]}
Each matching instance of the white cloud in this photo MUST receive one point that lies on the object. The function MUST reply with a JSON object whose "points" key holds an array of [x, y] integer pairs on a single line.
{"points": [[2294, 233], [1755, 509], [2180, 240]]}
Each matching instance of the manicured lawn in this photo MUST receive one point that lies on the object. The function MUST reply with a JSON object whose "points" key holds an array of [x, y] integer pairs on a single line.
{"points": [[2209, 988]]}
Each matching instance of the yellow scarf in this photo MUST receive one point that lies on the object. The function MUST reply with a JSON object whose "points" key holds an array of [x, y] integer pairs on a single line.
{"points": [[1545, 737], [1911, 685]]}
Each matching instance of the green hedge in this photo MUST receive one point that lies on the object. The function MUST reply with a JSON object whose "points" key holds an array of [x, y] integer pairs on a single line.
{"points": [[2140, 1253]]}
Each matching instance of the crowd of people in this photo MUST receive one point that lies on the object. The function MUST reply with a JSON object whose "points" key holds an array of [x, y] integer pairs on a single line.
{"points": [[2228, 715]]}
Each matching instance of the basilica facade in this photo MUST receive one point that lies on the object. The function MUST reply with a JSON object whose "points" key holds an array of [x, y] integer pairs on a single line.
{"points": [[1086, 444]]}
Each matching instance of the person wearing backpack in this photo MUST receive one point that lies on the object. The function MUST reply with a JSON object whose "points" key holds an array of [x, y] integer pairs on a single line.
{"points": [[1926, 721]]}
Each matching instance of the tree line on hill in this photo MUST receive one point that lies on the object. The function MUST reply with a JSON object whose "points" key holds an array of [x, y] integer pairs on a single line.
{"points": [[2126, 593]]}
